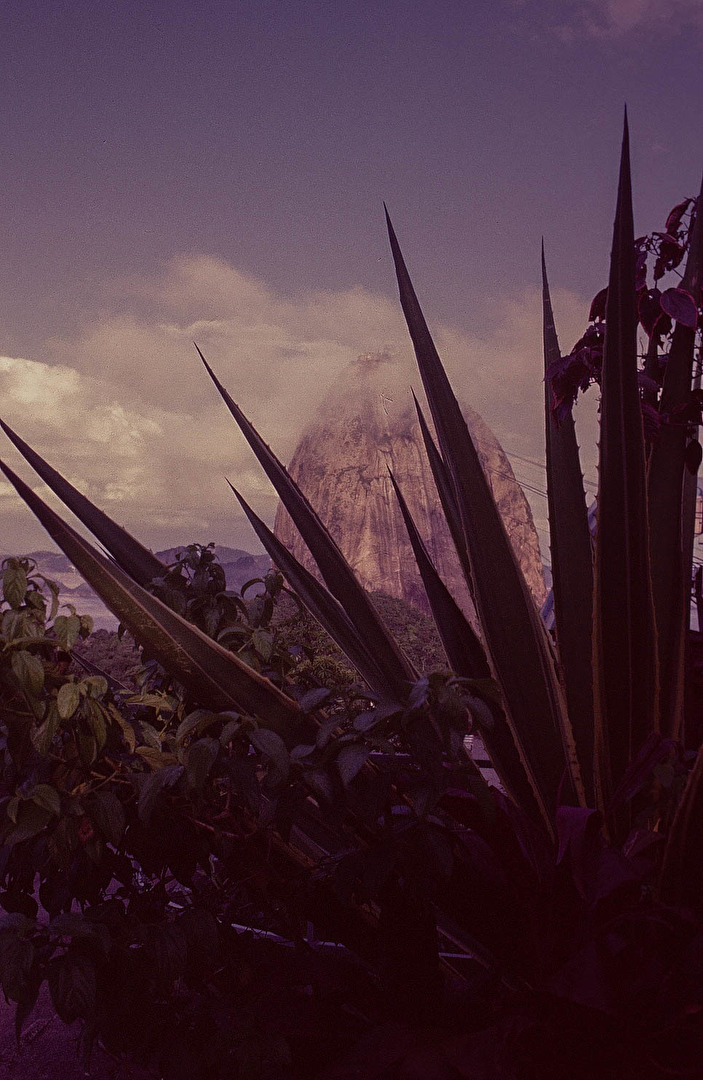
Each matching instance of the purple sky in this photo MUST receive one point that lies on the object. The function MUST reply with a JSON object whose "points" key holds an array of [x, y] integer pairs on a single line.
{"points": [[172, 170]]}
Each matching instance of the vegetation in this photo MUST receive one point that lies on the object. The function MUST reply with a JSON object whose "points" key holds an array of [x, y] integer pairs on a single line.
{"points": [[551, 929]]}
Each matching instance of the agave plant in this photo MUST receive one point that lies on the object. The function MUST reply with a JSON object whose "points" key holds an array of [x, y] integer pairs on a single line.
{"points": [[585, 728]]}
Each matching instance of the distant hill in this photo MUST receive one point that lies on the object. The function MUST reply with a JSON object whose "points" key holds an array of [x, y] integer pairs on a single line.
{"points": [[239, 567]]}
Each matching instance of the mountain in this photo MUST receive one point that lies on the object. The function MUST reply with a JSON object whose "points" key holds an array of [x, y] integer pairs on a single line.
{"points": [[366, 426]]}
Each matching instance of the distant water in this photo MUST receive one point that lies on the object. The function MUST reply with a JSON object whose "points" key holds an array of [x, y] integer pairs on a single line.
{"points": [[239, 566]]}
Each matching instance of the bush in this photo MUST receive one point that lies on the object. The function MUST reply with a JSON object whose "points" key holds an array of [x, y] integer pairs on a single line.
{"points": [[148, 823]]}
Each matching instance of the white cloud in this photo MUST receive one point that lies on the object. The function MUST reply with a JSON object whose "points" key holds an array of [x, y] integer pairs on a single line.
{"points": [[127, 413], [614, 18]]}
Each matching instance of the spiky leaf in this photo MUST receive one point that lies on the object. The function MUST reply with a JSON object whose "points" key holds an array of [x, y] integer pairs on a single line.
{"points": [[519, 651], [671, 558], [571, 557], [625, 666]]}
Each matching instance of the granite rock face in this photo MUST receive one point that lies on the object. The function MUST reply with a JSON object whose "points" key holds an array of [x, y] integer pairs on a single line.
{"points": [[368, 424]]}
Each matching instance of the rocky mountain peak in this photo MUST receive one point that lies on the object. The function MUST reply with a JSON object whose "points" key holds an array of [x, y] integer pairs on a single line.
{"points": [[367, 425]]}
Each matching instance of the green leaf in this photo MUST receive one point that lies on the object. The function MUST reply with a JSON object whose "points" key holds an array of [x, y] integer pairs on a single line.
{"points": [[95, 686], [128, 732], [14, 584], [334, 568], [68, 700], [29, 671], [320, 784], [200, 759], [150, 701], [31, 819], [16, 957], [26, 1007], [72, 924], [231, 728], [37, 601], [54, 590], [272, 746], [167, 951], [152, 787], [43, 735], [625, 657], [149, 734], [211, 673], [13, 624], [108, 816], [72, 985], [48, 797], [155, 759], [195, 722], [350, 760], [201, 934], [312, 699], [87, 747], [96, 719], [571, 558], [262, 641], [67, 629], [16, 922]]}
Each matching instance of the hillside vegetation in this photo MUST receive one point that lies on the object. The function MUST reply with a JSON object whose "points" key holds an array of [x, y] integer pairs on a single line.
{"points": [[415, 632]]}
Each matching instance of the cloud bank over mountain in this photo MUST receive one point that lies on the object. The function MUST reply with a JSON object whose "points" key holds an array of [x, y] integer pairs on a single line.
{"points": [[125, 410], [613, 19]]}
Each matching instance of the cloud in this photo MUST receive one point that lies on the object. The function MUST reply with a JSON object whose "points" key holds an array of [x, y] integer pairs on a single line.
{"points": [[615, 18], [126, 412]]}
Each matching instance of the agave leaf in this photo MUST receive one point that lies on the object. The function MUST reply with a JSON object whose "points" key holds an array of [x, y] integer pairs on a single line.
{"points": [[336, 572], [213, 675], [135, 559], [467, 658], [464, 651], [89, 666], [625, 659], [320, 603], [446, 496], [572, 558], [688, 517], [681, 880], [519, 651], [671, 554]]}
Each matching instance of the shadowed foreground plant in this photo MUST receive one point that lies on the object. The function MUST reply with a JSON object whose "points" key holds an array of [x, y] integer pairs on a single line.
{"points": [[554, 928]]}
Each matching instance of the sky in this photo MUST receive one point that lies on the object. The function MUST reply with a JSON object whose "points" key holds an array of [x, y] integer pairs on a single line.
{"points": [[215, 172]]}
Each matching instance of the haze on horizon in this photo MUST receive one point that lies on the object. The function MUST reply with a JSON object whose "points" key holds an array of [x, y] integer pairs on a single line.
{"points": [[217, 174]]}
